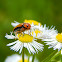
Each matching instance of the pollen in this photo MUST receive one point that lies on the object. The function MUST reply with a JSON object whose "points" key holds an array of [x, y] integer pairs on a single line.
{"points": [[59, 37], [24, 60], [36, 32], [25, 38], [32, 21]]}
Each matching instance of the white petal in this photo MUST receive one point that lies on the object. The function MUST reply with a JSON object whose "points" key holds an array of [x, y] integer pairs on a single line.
{"points": [[39, 35], [51, 42], [47, 39], [13, 58], [57, 46], [26, 46], [16, 47], [50, 47], [61, 51], [10, 36], [15, 24], [31, 48], [38, 45], [21, 47], [35, 60], [34, 47], [34, 34], [12, 43], [30, 58]]}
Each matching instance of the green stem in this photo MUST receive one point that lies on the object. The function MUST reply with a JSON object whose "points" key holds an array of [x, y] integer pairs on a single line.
{"points": [[28, 58], [23, 55], [61, 55], [33, 58]]}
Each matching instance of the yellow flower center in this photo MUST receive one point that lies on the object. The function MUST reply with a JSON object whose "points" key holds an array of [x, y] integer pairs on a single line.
{"points": [[32, 21], [59, 37], [25, 38], [36, 31], [24, 60]]}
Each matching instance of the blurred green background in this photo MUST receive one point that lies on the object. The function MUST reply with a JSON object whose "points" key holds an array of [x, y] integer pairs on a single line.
{"points": [[47, 12]]}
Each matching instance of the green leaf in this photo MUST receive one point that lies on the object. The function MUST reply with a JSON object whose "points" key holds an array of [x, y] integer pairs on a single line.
{"points": [[56, 57]]}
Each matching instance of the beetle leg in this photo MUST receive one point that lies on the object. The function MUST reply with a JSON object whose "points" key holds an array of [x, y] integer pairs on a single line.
{"points": [[23, 33], [20, 34], [30, 33], [16, 33]]}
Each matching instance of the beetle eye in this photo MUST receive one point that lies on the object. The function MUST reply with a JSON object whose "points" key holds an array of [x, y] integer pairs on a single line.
{"points": [[27, 25]]}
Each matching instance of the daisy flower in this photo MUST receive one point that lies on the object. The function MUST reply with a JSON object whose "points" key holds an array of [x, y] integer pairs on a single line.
{"points": [[48, 32], [18, 58], [28, 41], [54, 40]]}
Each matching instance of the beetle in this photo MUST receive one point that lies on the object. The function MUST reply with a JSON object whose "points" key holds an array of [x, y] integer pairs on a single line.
{"points": [[21, 28]]}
